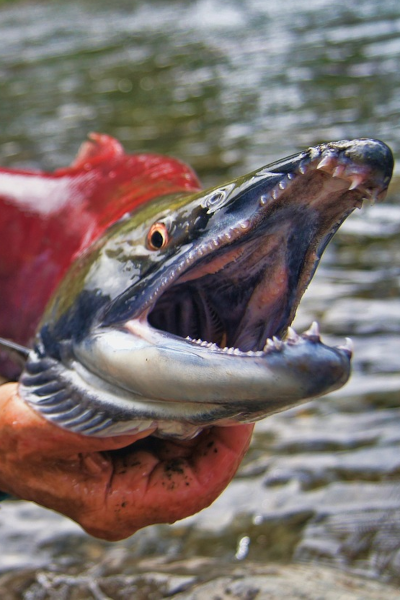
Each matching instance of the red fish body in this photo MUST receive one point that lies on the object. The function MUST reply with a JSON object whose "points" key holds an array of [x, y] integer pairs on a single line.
{"points": [[163, 306], [47, 219]]}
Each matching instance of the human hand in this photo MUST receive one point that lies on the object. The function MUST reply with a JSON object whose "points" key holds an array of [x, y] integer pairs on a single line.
{"points": [[113, 486]]}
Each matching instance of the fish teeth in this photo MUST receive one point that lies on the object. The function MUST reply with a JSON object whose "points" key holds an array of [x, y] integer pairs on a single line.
{"points": [[302, 168], [326, 161], [348, 347], [292, 335], [269, 345], [356, 180], [229, 349], [338, 172], [273, 345], [313, 332], [199, 342]]}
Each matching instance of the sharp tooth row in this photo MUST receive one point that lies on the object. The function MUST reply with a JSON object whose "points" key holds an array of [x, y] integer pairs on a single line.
{"points": [[220, 240], [238, 352], [275, 344], [200, 342], [327, 164], [277, 191]]}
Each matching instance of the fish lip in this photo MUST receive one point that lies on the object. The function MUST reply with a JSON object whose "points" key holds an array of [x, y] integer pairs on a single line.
{"points": [[364, 165]]}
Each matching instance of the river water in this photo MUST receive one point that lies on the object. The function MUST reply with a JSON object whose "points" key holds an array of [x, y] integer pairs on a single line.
{"points": [[229, 87]]}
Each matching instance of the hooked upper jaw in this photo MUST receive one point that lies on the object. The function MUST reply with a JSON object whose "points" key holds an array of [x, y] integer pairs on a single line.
{"points": [[248, 278], [208, 341]]}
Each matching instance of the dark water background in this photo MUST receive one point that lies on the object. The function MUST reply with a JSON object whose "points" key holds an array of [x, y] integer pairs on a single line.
{"points": [[228, 87]]}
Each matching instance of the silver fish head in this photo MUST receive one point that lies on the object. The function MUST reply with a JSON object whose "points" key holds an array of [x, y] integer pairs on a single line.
{"points": [[179, 317]]}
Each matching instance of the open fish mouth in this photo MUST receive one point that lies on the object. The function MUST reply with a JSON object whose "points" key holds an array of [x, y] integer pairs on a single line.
{"points": [[203, 337]]}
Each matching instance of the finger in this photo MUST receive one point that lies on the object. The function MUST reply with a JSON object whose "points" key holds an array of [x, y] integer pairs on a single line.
{"points": [[115, 493], [157, 481]]}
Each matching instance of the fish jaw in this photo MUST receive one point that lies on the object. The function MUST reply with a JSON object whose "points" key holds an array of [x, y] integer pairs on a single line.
{"points": [[240, 382], [240, 278]]}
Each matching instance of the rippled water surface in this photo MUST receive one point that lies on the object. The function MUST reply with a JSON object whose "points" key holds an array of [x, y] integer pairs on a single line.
{"points": [[229, 87]]}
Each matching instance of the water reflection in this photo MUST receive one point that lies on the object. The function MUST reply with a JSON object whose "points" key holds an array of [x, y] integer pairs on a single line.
{"points": [[229, 87], [236, 86]]}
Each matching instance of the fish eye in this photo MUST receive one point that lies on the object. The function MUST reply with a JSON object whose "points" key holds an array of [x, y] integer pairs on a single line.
{"points": [[158, 236]]}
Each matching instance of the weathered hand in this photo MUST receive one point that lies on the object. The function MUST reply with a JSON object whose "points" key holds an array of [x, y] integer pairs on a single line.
{"points": [[113, 486]]}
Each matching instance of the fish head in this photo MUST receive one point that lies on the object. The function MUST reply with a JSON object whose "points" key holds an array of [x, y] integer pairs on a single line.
{"points": [[178, 317]]}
